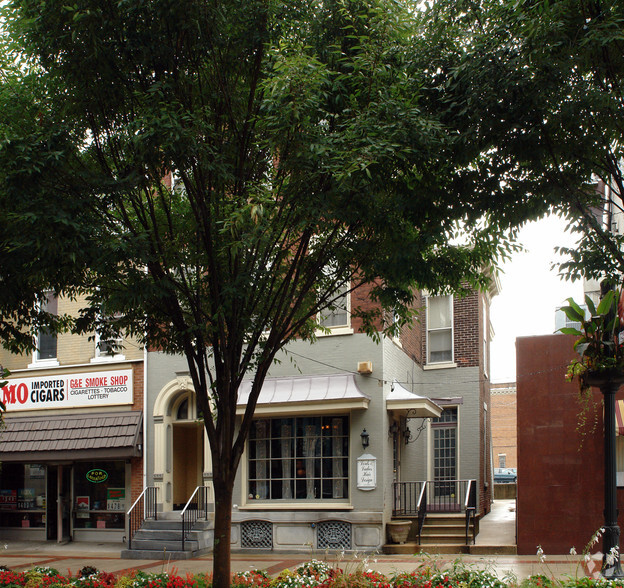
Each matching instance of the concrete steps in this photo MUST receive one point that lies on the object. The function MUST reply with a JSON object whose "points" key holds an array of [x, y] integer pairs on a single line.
{"points": [[162, 539], [442, 533]]}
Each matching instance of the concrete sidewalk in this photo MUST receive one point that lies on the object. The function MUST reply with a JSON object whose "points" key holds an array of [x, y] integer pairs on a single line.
{"points": [[496, 529]]}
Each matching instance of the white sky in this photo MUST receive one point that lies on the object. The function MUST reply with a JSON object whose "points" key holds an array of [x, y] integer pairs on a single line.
{"points": [[530, 293]]}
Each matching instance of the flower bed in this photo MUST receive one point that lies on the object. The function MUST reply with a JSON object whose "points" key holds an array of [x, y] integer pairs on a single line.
{"points": [[314, 574]]}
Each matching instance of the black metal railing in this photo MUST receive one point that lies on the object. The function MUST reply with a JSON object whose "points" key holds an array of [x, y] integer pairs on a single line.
{"points": [[144, 507], [406, 498], [422, 509], [196, 508], [439, 496], [470, 507]]}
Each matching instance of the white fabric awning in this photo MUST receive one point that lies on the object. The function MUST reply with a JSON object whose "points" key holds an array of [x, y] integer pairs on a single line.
{"points": [[403, 401], [313, 394]]}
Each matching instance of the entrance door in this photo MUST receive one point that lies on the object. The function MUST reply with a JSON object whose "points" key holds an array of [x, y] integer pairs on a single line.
{"points": [[58, 503], [188, 454], [445, 487]]}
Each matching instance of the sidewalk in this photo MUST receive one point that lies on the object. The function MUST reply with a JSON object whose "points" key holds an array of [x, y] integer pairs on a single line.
{"points": [[497, 528]]}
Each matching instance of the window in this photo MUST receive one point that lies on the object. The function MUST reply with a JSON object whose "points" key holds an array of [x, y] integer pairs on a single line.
{"points": [[46, 340], [502, 460], [445, 452], [439, 329], [299, 458], [486, 329], [108, 349], [338, 314]]}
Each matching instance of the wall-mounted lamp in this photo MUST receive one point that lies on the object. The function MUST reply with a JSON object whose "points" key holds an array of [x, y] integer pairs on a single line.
{"points": [[393, 429], [407, 435], [365, 438]]}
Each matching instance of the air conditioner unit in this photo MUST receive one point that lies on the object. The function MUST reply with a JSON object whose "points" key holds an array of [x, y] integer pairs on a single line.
{"points": [[365, 367]]}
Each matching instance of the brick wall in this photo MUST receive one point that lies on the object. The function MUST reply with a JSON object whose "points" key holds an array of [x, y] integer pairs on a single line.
{"points": [[504, 424], [560, 470]]}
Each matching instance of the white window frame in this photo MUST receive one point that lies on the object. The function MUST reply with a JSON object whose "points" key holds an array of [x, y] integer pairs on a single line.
{"points": [[103, 357], [37, 361], [294, 501], [344, 329], [486, 337], [444, 363]]}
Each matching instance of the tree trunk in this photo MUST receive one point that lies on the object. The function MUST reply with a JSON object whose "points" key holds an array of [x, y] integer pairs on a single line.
{"points": [[223, 487]]}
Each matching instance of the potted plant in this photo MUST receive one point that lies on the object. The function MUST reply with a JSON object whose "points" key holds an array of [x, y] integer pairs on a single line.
{"points": [[598, 345], [601, 352]]}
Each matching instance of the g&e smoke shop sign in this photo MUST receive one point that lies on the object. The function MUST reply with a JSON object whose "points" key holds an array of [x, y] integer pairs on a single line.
{"points": [[69, 391]]}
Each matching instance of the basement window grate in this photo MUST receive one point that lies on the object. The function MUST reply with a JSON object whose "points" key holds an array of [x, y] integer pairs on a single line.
{"points": [[257, 534], [334, 535]]}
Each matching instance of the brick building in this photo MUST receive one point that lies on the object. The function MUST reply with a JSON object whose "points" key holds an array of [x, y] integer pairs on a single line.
{"points": [[71, 450], [343, 429], [560, 498], [504, 425]]}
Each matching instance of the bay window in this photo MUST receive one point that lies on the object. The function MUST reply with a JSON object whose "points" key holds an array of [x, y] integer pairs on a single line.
{"points": [[299, 458]]}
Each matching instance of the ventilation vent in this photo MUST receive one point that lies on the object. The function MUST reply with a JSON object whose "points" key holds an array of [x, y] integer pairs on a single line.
{"points": [[257, 534], [334, 535]]}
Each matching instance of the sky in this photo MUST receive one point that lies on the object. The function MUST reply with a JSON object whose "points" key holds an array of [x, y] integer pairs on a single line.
{"points": [[530, 293]]}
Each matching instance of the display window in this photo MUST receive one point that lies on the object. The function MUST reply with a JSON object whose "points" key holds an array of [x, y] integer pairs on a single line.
{"points": [[22, 495], [99, 495]]}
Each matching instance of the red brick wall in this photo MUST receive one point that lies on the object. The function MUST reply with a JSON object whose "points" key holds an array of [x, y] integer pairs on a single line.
{"points": [[560, 482], [504, 423], [466, 330], [136, 463]]}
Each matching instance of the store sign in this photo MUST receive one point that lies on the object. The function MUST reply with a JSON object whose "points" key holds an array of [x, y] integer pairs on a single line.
{"points": [[97, 476], [116, 499], [68, 390], [367, 472]]}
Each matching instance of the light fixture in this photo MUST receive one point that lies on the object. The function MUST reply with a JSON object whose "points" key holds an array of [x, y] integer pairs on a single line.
{"points": [[365, 438], [393, 429], [407, 435]]}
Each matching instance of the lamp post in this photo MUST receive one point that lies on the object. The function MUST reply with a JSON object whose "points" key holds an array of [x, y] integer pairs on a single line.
{"points": [[609, 384]]}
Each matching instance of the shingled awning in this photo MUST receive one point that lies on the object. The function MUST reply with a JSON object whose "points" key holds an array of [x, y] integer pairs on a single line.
{"points": [[116, 435]]}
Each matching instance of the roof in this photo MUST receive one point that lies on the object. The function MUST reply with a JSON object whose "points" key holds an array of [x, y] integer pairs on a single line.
{"points": [[401, 400], [76, 436], [297, 394]]}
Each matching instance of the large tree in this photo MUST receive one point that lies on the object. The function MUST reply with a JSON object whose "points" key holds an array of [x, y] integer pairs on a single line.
{"points": [[543, 83], [215, 174]]}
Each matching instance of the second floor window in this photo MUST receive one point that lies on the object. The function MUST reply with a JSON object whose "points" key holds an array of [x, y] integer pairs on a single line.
{"points": [[439, 329], [338, 315], [46, 339]]}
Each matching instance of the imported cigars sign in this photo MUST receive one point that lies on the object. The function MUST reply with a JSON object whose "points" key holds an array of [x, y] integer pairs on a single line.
{"points": [[68, 391]]}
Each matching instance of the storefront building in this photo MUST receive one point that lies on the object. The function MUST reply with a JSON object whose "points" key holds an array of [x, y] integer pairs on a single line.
{"points": [[71, 448], [338, 425]]}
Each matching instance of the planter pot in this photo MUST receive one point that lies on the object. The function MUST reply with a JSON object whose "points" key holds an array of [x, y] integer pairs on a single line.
{"points": [[600, 378], [398, 530]]}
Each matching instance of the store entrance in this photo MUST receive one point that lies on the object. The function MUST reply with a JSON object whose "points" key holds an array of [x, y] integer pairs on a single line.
{"points": [[58, 504], [188, 451]]}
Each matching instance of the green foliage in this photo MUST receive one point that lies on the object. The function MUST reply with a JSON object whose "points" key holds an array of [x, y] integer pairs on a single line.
{"points": [[597, 339], [538, 88]]}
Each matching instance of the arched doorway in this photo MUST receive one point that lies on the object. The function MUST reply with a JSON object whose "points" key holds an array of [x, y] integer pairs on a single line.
{"points": [[188, 449], [181, 450]]}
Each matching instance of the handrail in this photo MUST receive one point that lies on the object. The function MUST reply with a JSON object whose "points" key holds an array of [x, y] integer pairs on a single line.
{"points": [[422, 509], [423, 497], [470, 506], [191, 512], [144, 507]]}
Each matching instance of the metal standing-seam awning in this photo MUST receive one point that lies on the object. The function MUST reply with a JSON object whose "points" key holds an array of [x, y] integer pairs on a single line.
{"points": [[72, 437], [402, 401], [305, 394]]}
